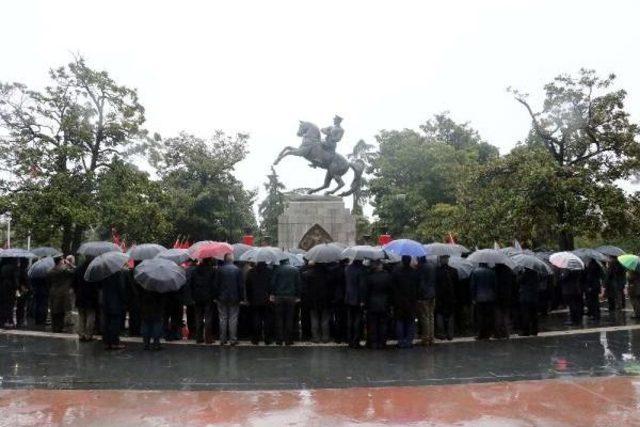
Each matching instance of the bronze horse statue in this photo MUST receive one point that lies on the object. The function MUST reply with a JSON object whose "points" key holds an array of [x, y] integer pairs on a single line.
{"points": [[335, 164]]}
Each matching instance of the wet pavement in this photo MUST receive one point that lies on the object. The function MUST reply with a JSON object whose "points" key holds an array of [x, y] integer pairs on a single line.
{"points": [[59, 363]]}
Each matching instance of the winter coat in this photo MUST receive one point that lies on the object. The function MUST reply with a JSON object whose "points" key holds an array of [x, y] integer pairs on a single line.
{"points": [[258, 285], [151, 305], [314, 287], [570, 283], [446, 281], [113, 293], [592, 278], [405, 292], [60, 279], [483, 285], [507, 286], [8, 281], [285, 282], [427, 274], [379, 291], [634, 284], [202, 283], [229, 284], [337, 279], [86, 293], [354, 284], [529, 287]]}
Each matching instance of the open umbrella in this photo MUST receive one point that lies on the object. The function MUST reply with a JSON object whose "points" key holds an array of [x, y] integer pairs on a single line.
{"points": [[324, 253], [105, 265], [630, 262], [362, 252], [43, 251], [160, 275], [17, 253], [532, 263], [609, 250], [463, 266], [97, 248], [176, 255], [295, 260], [440, 249], [211, 250], [491, 257], [405, 247], [41, 268], [239, 249], [266, 254], [586, 255], [297, 251], [566, 260], [145, 251]]}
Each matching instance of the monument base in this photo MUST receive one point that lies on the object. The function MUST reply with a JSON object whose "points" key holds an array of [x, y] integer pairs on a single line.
{"points": [[309, 219]]}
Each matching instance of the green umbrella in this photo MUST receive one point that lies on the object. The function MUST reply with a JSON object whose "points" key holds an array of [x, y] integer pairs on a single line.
{"points": [[630, 262]]}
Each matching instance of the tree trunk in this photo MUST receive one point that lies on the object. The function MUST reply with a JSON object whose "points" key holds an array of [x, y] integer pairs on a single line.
{"points": [[565, 238], [78, 233], [67, 238]]}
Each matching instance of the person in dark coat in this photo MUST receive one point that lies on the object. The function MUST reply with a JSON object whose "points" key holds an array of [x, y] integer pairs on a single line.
{"points": [[405, 301], [592, 282], [615, 281], [112, 292], [40, 286], [23, 295], [8, 287], [338, 307], [60, 279], [446, 278], [633, 279], [230, 290], [258, 285], [354, 300], [505, 300], [151, 316], [86, 294], [315, 296], [285, 293], [132, 304], [379, 291], [426, 300], [202, 284], [528, 293], [572, 294], [483, 293]]}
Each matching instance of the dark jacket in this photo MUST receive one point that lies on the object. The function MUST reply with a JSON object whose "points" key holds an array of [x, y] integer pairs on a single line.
{"points": [[285, 282], [570, 283], [616, 278], [405, 292], [337, 279], [507, 286], [427, 274], [314, 289], [8, 280], [202, 283], [151, 305], [529, 287], [483, 285], [446, 278], [86, 293], [592, 278], [354, 292], [259, 285], [113, 293], [229, 284], [60, 279], [379, 291]]}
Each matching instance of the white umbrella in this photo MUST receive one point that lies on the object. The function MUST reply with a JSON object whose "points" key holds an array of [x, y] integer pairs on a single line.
{"points": [[566, 260]]}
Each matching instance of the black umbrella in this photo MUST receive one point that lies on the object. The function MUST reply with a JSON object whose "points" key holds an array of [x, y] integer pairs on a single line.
{"points": [[532, 263], [609, 250], [160, 275], [105, 265], [41, 268], [176, 255], [586, 255], [17, 253], [145, 251], [97, 248], [43, 251]]}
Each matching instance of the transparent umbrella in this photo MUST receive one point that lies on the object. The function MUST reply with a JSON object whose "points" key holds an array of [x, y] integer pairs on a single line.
{"points": [[440, 249], [17, 253], [566, 260], [532, 263], [97, 248], [362, 252], [43, 251], [145, 251], [491, 257], [176, 255], [266, 254], [324, 253]]}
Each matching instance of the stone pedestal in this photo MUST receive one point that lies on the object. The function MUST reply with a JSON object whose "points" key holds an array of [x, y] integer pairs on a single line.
{"points": [[310, 219]]}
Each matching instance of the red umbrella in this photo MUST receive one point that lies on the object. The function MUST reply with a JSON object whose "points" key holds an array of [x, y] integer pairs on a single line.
{"points": [[211, 250]]}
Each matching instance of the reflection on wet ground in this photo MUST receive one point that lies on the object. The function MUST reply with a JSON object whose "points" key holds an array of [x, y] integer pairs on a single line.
{"points": [[41, 362], [610, 401]]}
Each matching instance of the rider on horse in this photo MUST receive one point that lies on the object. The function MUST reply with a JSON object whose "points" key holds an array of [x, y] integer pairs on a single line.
{"points": [[333, 135]]}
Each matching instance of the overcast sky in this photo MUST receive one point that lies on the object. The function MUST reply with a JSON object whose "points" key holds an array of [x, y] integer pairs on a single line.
{"points": [[260, 66]]}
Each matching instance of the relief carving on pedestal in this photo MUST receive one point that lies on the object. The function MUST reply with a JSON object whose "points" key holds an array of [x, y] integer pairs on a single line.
{"points": [[315, 235]]}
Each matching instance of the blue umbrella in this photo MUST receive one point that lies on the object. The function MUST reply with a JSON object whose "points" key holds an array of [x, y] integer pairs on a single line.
{"points": [[405, 247]]}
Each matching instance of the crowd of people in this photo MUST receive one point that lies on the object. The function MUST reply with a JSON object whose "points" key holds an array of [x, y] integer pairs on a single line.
{"points": [[350, 301]]}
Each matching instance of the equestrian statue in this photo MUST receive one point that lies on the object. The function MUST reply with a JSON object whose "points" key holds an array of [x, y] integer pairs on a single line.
{"points": [[322, 154]]}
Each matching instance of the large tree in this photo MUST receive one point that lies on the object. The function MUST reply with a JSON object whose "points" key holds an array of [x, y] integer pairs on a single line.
{"points": [[364, 153], [584, 127], [56, 140], [206, 200]]}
